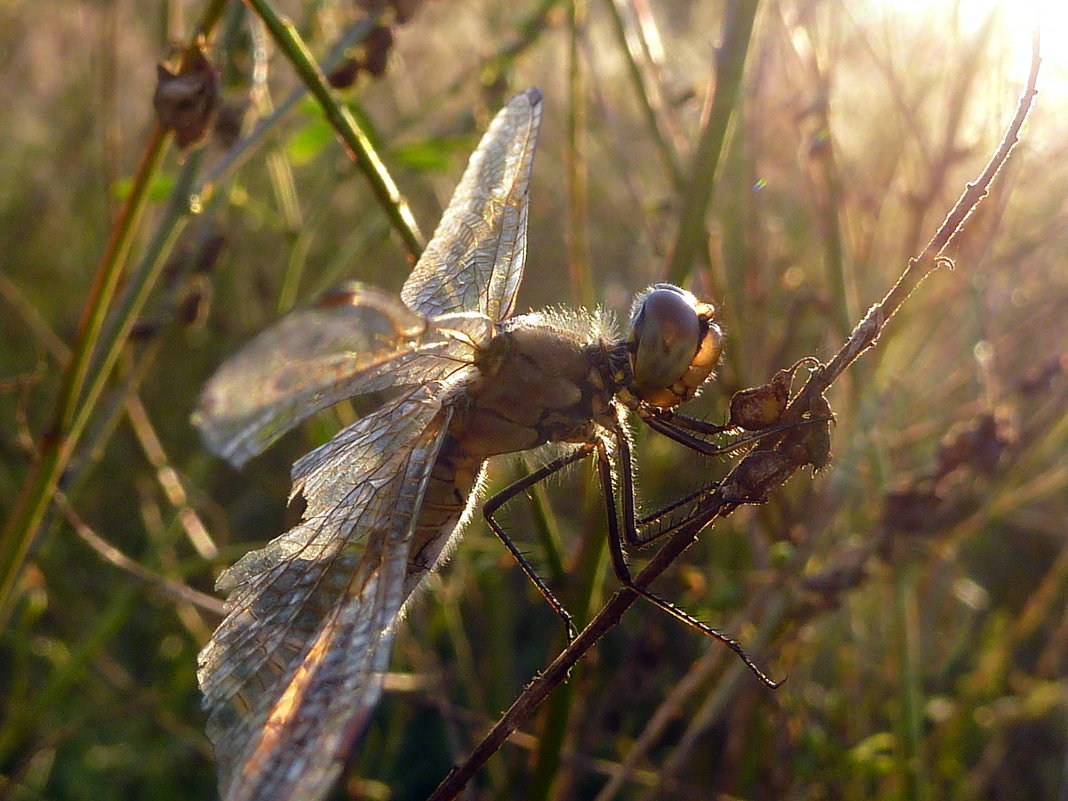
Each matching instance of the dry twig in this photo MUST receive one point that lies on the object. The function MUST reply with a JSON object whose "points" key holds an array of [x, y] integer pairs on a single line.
{"points": [[766, 468]]}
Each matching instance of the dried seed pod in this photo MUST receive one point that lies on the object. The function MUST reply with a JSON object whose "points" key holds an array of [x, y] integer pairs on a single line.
{"points": [[405, 9], [229, 120], [761, 407], [185, 100], [756, 475], [371, 57], [978, 444], [376, 50], [344, 74], [810, 442], [913, 510], [194, 304], [845, 573]]}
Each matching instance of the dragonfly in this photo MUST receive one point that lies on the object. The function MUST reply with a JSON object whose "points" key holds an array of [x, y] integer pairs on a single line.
{"points": [[295, 669]]}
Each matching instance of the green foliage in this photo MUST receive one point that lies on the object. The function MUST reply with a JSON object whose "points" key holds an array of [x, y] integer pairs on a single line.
{"points": [[913, 592]]}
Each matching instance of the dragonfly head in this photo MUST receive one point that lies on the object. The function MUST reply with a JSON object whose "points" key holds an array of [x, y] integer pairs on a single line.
{"points": [[673, 346]]}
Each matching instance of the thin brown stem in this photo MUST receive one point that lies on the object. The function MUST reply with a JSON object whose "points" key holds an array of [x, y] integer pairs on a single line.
{"points": [[760, 471]]}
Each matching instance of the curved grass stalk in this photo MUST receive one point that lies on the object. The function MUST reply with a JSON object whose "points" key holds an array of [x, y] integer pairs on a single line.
{"points": [[59, 441], [75, 399], [729, 68], [355, 139]]}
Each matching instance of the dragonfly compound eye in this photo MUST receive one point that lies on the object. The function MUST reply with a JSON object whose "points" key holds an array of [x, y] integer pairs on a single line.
{"points": [[665, 337]]}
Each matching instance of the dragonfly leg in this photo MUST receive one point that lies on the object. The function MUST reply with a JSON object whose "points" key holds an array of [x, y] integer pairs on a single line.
{"points": [[691, 432], [689, 423], [629, 533], [489, 509], [670, 426]]}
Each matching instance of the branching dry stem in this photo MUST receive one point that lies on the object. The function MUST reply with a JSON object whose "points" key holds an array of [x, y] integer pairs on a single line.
{"points": [[762, 470]]}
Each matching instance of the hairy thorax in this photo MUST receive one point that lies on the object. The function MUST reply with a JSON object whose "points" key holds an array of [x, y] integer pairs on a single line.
{"points": [[544, 381], [539, 382]]}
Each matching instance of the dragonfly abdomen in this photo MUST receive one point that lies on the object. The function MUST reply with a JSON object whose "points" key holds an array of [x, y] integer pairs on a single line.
{"points": [[447, 504]]}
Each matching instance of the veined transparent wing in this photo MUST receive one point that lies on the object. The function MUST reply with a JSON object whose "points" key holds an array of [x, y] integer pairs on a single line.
{"points": [[313, 358], [356, 340], [295, 668], [474, 261]]}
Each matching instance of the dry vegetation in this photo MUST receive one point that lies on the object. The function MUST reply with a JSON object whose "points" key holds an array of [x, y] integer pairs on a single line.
{"points": [[914, 593]]}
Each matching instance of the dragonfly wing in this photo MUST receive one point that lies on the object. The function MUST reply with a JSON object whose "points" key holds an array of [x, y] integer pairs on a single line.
{"points": [[294, 670], [475, 260], [311, 359]]}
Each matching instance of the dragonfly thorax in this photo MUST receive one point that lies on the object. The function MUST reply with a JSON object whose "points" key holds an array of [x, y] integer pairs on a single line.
{"points": [[545, 378], [673, 345]]}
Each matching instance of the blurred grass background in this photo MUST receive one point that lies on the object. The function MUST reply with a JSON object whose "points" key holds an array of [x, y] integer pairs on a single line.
{"points": [[914, 593]]}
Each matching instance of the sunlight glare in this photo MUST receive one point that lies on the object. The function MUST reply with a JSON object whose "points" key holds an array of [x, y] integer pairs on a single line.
{"points": [[1018, 21]]}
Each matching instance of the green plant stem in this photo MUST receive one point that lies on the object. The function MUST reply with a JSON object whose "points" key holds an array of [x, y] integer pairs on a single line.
{"points": [[551, 735], [73, 406], [355, 139], [58, 442], [578, 249], [730, 65], [547, 528], [651, 105], [910, 768], [244, 148], [62, 679], [183, 204], [842, 289]]}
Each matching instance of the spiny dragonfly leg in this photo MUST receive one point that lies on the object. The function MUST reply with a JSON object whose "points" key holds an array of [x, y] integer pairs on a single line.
{"points": [[629, 533], [489, 509], [695, 424], [688, 431]]}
